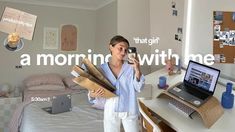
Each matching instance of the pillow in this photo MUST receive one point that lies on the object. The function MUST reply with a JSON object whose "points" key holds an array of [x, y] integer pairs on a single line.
{"points": [[44, 79], [69, 82], [77, 87], [47, 87]]}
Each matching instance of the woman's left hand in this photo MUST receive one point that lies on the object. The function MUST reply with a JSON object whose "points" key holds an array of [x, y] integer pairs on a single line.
{"points": [[136, 66]]}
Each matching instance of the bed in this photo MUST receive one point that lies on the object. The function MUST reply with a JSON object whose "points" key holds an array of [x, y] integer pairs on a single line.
{"points": [[83, 117], [29, 116]]}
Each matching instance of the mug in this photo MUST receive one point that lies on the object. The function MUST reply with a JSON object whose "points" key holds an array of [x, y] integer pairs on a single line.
{"points": [[162, 82]]}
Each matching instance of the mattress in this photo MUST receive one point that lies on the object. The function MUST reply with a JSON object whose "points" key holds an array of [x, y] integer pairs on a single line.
{"points": [[82, 118]]}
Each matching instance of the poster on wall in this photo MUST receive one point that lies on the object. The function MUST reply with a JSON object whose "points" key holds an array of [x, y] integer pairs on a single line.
{"points": [[50, 40], [14, 20], [68, 38], [224, 37]]}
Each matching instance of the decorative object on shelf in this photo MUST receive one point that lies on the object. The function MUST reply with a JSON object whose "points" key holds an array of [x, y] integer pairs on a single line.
{"points": [[170, 64], [227, 100]]}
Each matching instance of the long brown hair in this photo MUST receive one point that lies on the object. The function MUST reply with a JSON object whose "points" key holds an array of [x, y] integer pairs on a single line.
{"points": [[117, 39]]}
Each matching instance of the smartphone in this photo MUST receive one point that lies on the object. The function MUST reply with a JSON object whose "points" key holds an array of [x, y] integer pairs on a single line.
{"points": [[131, 53]]}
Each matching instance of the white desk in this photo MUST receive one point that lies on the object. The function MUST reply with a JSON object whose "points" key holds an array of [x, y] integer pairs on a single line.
{"points": [[179, 122]]}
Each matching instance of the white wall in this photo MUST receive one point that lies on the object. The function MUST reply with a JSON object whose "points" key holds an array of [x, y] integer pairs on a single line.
{"points": [[201, 29], [106, 27], [47, 17], [133, 21], [164, 26]]}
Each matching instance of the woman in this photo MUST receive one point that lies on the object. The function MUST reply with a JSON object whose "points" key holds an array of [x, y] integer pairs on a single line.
{"points": [[128, 80]]}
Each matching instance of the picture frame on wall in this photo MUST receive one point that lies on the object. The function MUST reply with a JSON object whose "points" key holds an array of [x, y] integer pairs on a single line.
{"points": [[50, 39], [68, 37]]}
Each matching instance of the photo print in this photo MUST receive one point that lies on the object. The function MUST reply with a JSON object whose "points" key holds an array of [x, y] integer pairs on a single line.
{"points": [[218, 17], [173, 4], [179, 30], [217, 58], [221, 45], [233, 16], [216, 32], [222, 58], [232, 38], [180, 38], [223, 35], [176, 36], [174, 13]]}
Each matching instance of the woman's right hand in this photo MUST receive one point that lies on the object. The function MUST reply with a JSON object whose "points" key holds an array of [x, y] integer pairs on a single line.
{"points": [[97, 93]]}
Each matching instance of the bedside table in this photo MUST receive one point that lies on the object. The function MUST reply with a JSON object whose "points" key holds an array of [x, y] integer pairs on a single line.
{"points": [[7, 107]]}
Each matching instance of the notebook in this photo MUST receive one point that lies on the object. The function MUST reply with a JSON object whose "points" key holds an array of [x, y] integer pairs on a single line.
{"points": [[198, 85]]}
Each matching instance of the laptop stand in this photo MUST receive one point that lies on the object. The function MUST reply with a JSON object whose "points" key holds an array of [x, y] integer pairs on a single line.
{"points": [[210, 111]]}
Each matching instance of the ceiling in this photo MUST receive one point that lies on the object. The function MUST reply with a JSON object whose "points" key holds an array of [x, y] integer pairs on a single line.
{"points": [[78, 4]]}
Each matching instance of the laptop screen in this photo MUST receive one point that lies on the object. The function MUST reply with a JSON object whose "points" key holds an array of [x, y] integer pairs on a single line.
{"points": [[202, 76]]}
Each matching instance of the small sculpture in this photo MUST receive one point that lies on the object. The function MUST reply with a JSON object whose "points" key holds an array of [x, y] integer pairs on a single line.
{"points": [[170, 65]]}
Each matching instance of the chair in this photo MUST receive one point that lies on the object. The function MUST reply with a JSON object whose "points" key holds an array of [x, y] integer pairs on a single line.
{"points": [[150, 123]]}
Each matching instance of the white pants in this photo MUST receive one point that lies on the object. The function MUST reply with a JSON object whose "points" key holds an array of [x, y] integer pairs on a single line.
{"points": [[113, 120]]}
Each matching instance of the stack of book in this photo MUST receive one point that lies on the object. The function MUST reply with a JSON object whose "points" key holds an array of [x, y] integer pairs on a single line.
{"points": [[92, 78]]}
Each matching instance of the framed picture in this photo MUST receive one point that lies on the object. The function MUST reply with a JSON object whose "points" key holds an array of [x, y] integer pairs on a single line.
{"points": [[50, 40], [69, 37]]}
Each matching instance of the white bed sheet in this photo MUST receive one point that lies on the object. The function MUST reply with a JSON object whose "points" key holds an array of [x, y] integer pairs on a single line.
{"points": [[82, 118]]}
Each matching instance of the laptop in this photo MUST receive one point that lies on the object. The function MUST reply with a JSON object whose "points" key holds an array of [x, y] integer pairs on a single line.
{"points": [[60, 104], [198, 85]]}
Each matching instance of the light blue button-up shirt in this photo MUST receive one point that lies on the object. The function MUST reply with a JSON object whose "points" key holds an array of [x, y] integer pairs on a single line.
{"points": [[126, 87]]}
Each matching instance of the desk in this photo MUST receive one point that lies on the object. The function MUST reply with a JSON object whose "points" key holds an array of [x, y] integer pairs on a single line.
{"points": [[179, 122]]}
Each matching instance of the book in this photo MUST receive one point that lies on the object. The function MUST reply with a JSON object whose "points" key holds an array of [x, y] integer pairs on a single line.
{"points": [[92, 79]]}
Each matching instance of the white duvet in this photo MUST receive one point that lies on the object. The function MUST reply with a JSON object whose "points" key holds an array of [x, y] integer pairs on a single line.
{"points": [[82, 118]]}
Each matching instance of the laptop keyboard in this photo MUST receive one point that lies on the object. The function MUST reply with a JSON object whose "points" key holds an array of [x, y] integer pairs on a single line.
{"points": [[193, 92], [181, 108]]}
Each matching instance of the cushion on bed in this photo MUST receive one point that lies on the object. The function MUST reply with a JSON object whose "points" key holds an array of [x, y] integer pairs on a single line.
{"points": [[69, 82], [44, 79], [47, 87]]}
